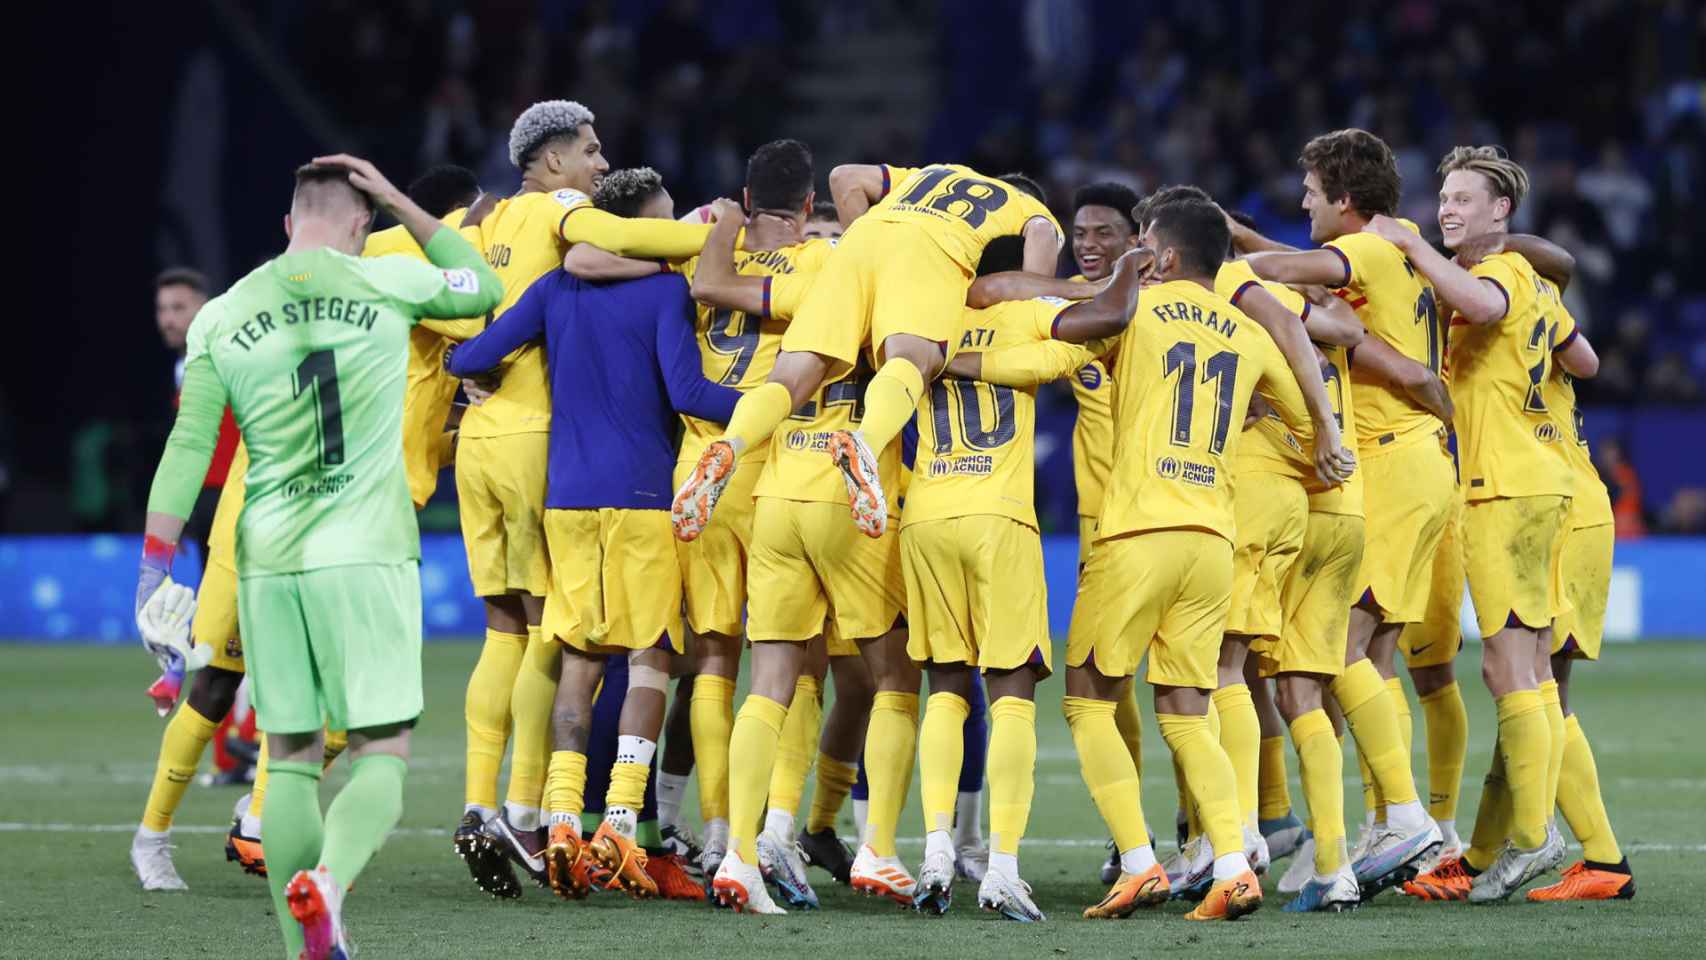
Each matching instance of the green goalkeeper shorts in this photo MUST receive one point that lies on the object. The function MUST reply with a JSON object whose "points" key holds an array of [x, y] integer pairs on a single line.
{"points": [[338, 647]]}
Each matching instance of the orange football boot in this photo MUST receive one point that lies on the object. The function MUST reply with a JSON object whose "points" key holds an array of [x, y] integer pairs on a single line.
{"points": [[1130, 891], [691, 509], [1582, 882], [625, 861], [1230, 899], [1447, 881], [566, 862], [245, 852], [669, 872]]}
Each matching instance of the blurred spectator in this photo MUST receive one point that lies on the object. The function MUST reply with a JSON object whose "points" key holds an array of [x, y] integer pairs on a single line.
{"points": [[1624, 487], [1686, 513], [179, 294]]}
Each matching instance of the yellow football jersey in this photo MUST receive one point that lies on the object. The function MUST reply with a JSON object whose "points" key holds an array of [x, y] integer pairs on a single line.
{"points": [[1346, 498], [1092, 433], [1267, 445], [524, 238], [1396, 304], [429, 391], [959, 208], [1187, 366], [799, 467], [1590, 504], [976, 441], [738, 350], [1508, 444]]}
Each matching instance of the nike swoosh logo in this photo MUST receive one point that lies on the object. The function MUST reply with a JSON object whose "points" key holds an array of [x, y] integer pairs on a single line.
{"points": [[1417, 651], [535, 862]]}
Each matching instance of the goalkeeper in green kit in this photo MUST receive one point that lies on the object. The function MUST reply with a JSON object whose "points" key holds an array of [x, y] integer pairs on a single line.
{"points": [[310, 351]]}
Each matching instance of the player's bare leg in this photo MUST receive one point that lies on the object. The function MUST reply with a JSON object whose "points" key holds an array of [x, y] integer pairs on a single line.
{"points": [[212, 693], [891, 399], [712, 719], [795, 377], [614, 847], [890, 740], [839, 747]]}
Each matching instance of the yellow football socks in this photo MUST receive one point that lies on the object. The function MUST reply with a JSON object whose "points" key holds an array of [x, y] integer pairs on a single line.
{"points": [[890, 739], [1373, 719], [486, 711], [565, 786], [181, 748], [1447, 723], [1214, 786], [1107, 769], [711, 713], [1321, 766], [941, 751], [1193, 823], [1555, 728], [1273, 792], [1406, 720], [835, 780], [1241, 738], [1580, 800], [757, 415], [531, 700], [1012, 771], [891, 401], [797, 747], [627, 785], [1525, 740], [1129, 718], [757, 730], [1492, 817]]}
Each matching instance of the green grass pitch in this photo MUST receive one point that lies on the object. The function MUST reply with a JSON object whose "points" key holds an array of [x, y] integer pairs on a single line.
{"points": [[81, 739]]}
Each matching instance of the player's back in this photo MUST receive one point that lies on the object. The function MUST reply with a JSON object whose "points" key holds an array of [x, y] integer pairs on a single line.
{"points": [[312, 352], [521, 240], [1396, 303], [1509, 443], [1591, 502], [1188, 365], [976, 443], [961, 209]]}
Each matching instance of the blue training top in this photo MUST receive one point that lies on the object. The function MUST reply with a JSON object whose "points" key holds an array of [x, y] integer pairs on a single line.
{"points": [[622, 361]]}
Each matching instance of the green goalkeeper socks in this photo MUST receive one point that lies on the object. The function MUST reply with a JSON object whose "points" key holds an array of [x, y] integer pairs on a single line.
{"points": [[290, 834], [363, 812]]}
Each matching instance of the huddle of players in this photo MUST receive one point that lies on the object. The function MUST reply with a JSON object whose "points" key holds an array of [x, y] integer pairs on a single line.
{"points": [[1177, 564]]}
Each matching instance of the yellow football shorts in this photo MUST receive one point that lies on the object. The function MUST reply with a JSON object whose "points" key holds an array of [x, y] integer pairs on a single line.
{"points": [[838, 646], [1168, 588], [809, 566], [1317, 598], [1086, 538], [1513, 550], [1407, 500], [975, 593], [713, 567], [500, 483], [615, 581], [883, 279], [1435, 640], [215, 623], [1587, 581], [1270, 513]]}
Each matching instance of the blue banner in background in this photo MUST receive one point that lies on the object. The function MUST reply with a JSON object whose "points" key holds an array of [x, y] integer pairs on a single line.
{"points": [[80, 589]]}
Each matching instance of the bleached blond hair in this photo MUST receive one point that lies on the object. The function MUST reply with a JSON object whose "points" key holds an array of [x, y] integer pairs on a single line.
{"points": [[542, 122]]}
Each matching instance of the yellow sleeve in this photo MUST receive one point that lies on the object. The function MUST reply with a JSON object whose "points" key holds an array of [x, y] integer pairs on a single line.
{"points": [[1510, 282], [784, 293], [1280, 389], [636, 237], [1354, 249], [895, 176], [1034, 208], [383, 243]]}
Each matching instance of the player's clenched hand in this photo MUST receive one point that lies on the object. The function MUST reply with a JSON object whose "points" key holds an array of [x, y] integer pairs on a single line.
{"points": [[724, 210], [1141, 259], [1334, 462], [477, 391], [366, 177], [1390, 230], [1475, 249]]}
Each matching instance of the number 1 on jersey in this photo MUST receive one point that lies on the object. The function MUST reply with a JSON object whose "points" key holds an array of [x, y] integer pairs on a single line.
{"points": [[319, 370]]}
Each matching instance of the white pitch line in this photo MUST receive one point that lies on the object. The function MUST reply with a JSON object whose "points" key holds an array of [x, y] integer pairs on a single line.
{"points": [[1063, 842]]}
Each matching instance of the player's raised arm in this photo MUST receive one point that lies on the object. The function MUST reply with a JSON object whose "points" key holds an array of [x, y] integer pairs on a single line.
{"points": [[523, 321], [1278, 386], [987, 291], [1025, 364], [1042, 246], [1326, 266], [1331, 457], [855, 186], [1108, 313], [1330, 319], [1477, 299], [642, 237], [678, 359], [1548, 259], [599, 265], [1246, 239], [1379, 361], [715, 281]]}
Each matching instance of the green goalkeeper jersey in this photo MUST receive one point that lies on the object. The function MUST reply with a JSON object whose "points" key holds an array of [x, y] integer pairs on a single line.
{"points": [[310, 351]]}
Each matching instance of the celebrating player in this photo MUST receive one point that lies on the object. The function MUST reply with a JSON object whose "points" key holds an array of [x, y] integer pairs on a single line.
{"points": [[898, 284]]}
